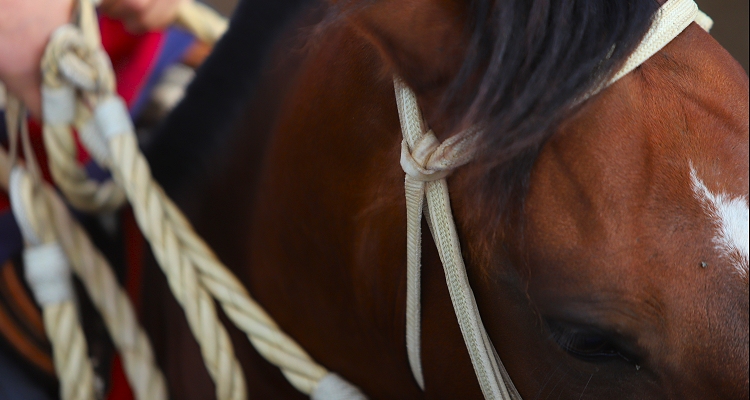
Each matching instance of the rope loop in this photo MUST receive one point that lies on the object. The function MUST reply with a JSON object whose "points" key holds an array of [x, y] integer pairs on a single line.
{"points": [[429, 160], [68, 58]]}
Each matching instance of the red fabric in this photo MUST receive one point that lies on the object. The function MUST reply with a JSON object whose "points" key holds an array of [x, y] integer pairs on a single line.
{"points": [[37, 143], [120, 389], [4, 202], [132, 56]]}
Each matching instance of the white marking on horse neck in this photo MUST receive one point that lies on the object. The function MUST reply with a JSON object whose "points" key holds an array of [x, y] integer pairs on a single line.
{"points": [[730, 215]]}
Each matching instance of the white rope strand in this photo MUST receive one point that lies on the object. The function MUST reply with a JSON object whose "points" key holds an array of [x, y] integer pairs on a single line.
{"points": [[113, 303], [427, 162], [668, 22]]}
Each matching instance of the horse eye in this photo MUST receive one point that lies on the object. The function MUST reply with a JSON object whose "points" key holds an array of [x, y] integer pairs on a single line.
{"points": [[588, 345]]}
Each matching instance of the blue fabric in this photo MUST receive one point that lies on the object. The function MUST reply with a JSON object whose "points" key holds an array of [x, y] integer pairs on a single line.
{"points": [[173, 47], [15, 383], [11, 242]]}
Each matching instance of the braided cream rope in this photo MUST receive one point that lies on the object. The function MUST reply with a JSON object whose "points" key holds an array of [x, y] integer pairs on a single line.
{"points": [[426, 163], [108, 297], [70, 353], [193, 271], [59, 67], [191, 266], [179, 266], [144, 376], [669, 21], [71, 60], [96, 275], [202, 21], [47, 271]]}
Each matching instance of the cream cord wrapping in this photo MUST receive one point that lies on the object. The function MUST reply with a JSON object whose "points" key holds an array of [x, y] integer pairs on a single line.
{"points": [[60, 316], [669, 21]]}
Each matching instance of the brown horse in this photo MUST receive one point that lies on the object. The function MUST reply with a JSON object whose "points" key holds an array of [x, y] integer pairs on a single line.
{"points": [[603, 240]]}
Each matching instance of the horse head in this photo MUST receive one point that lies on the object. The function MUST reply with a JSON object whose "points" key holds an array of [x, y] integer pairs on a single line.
{"points": [[606, 240]]}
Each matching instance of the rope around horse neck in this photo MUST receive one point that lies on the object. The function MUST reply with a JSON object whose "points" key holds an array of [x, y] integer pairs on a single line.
{"points": [[426, 163]]}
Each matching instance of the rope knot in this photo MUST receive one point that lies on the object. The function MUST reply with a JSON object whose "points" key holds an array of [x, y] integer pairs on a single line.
{"points": [[429, 160], [69, 58], [417, 164]]}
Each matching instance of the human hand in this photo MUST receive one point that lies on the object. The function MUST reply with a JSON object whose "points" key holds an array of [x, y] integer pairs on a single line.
{"points": [[25, 28], [142, 15]]}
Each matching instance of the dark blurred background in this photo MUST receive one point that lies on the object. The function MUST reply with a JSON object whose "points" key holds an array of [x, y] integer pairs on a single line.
{"points": [[730, 23]]}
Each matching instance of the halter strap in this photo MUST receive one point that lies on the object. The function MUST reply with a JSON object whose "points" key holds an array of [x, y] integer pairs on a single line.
{"points": [[427, 162]]}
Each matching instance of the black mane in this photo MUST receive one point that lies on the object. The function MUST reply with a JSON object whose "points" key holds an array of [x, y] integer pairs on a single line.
{"points": [[527, 63]]}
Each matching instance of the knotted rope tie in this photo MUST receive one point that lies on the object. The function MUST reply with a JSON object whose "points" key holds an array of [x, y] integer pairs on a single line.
{"points": [[426, 166], [430, 161], [69, 63], [427, 161]]}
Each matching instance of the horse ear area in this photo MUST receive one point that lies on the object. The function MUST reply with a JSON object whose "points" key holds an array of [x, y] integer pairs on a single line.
{"points": [[424, 40]]}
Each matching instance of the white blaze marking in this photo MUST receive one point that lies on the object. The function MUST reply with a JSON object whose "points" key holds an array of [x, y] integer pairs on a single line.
{"points": [[730, 214]]}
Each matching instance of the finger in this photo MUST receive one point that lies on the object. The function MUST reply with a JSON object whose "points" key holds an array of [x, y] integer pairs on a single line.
{"points": [[161, 14], [128, 11]]}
